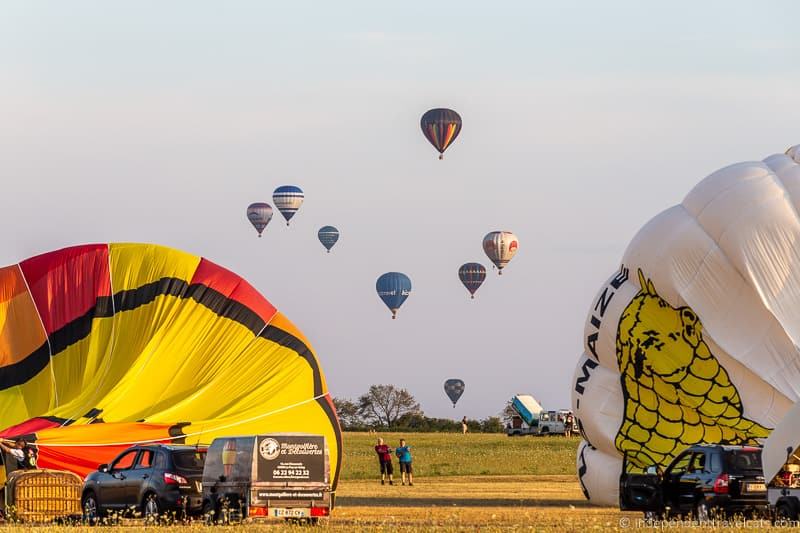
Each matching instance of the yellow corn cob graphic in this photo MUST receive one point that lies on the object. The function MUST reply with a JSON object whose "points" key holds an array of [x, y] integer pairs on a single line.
{"points": [[676, 392]]}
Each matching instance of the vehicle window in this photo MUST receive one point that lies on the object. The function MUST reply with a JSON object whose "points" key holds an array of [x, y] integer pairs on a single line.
{"points": [[698, 462], [681, 464], [125, 461], [145, 459], [161, 461], [189, 460], [716, 462], [743, 461]]}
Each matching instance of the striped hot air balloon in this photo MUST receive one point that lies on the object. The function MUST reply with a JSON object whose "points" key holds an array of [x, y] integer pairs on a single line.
{"points": [[107, 345], [472, 276], [328, 236], [288, 199], [441, 127]]}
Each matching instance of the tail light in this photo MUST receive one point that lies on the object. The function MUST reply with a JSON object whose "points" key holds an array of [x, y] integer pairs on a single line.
{"points": [[721, 484], [320, 511], [174, 479], [257, 511]]}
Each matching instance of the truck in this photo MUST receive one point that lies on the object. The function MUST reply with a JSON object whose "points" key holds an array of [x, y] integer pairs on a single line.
{"points": [[781, 463], [282, 475], [531, 419]]}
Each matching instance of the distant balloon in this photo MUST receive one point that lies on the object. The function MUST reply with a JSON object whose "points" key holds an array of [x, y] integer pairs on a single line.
{"points": [[500, 247], [288, 200], [393, 288], [454, 388], [259, 214], [472, 276], [441, 127], [328, 235]]}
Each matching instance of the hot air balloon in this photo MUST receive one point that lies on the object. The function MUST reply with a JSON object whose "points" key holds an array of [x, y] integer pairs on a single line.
{"points": [[454, 388], [259, 214], [472, 276], [441, 127], [328, 235], [288, 199], [694, 338], [393, 288], [107, 345], [500, 247]]}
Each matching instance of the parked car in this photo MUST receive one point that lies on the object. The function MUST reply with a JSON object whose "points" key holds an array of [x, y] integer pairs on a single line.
{"points": [[154, 480], [267, 476], [703, 481]]}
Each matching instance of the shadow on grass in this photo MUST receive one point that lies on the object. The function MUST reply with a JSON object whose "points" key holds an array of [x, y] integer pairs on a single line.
{"points": [[454, 502]]}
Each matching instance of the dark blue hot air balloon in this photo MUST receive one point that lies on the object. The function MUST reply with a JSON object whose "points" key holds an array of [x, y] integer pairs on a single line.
{"points": [[454, 388], [393, 288], [328, 235], [472, 276]]}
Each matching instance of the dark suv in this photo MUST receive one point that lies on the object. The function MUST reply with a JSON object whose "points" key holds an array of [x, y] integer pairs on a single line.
{"points": [[704, 480], [154, 480]]}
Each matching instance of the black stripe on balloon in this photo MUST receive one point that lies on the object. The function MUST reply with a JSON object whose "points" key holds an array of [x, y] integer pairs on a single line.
{"points": [[129, 300], [337, 430]]}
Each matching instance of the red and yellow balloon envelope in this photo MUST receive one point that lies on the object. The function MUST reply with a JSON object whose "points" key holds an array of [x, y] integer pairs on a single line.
{"points": [[106, 345]]}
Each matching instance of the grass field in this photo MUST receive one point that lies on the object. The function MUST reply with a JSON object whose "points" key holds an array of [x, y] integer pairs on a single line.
{"points": [[477, 482]]}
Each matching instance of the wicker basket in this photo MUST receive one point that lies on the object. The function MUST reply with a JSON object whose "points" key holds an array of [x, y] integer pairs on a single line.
{"points": [[42, 496]]}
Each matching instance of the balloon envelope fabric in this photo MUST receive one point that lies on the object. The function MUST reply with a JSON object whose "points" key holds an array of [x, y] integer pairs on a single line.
{"points": [[695, 338], [107, 345]]}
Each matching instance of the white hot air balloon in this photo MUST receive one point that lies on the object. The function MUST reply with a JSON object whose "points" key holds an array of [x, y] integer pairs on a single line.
{"points": [[500, 247], [695, 338]]}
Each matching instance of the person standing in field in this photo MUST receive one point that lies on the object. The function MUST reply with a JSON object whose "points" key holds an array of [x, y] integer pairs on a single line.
{"points": [[464, 427], [385, 460], [404, 456], [568, 422]]}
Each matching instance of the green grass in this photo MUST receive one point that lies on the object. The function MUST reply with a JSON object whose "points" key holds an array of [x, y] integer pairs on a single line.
{"points": [[454, 454]]}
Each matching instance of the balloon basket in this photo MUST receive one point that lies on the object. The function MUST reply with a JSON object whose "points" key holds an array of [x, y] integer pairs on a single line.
{"points": [[441, 156]]}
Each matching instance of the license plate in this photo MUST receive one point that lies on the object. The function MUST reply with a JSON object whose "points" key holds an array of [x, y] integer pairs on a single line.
{"points": [[755, 487], [279, 512]]}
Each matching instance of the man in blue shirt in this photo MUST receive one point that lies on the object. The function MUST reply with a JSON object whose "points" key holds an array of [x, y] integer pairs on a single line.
{"points": [[404, 455]]}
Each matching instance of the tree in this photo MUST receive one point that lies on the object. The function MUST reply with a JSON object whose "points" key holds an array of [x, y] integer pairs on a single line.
{"points": [[348, 414], [383, 405]]}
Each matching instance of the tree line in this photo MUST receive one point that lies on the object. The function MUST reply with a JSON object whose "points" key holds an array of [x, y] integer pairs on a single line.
{"points": [[387, 407]]}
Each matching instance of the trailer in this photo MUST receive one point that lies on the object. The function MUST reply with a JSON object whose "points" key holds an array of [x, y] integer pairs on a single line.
{"points": [[531, 419], [781, 463]]}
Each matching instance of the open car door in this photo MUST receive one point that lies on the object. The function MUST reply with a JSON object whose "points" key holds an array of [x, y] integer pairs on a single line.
{"points": [[640, 491]]}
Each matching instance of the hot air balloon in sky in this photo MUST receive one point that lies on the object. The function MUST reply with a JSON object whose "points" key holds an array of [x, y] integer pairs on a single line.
{"points": [[441, 127], [454, 388], [106, 345], [259, 214], [472, 276], [288, 199], [393, 288], [694, 338], [500, 247], [328, 236]]}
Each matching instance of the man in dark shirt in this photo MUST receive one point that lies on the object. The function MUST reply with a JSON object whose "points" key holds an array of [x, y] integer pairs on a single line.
{"points": [[385, 460]]}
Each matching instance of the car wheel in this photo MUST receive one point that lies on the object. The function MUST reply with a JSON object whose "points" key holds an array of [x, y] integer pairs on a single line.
{"points": [[784, 511], [150, 509], [701, 512], [91, 511]]}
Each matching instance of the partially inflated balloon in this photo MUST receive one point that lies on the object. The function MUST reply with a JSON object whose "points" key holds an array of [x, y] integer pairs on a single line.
{"points": [[454, 388], [107, 345], [500, 247], [328, 236], [694, 339], [472, 276], [259, 214], [288, 199], [441, 127], [393, 288]]}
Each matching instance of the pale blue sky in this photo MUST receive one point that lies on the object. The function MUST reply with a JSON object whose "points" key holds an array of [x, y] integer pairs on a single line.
{"points": [[161, 121]]}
